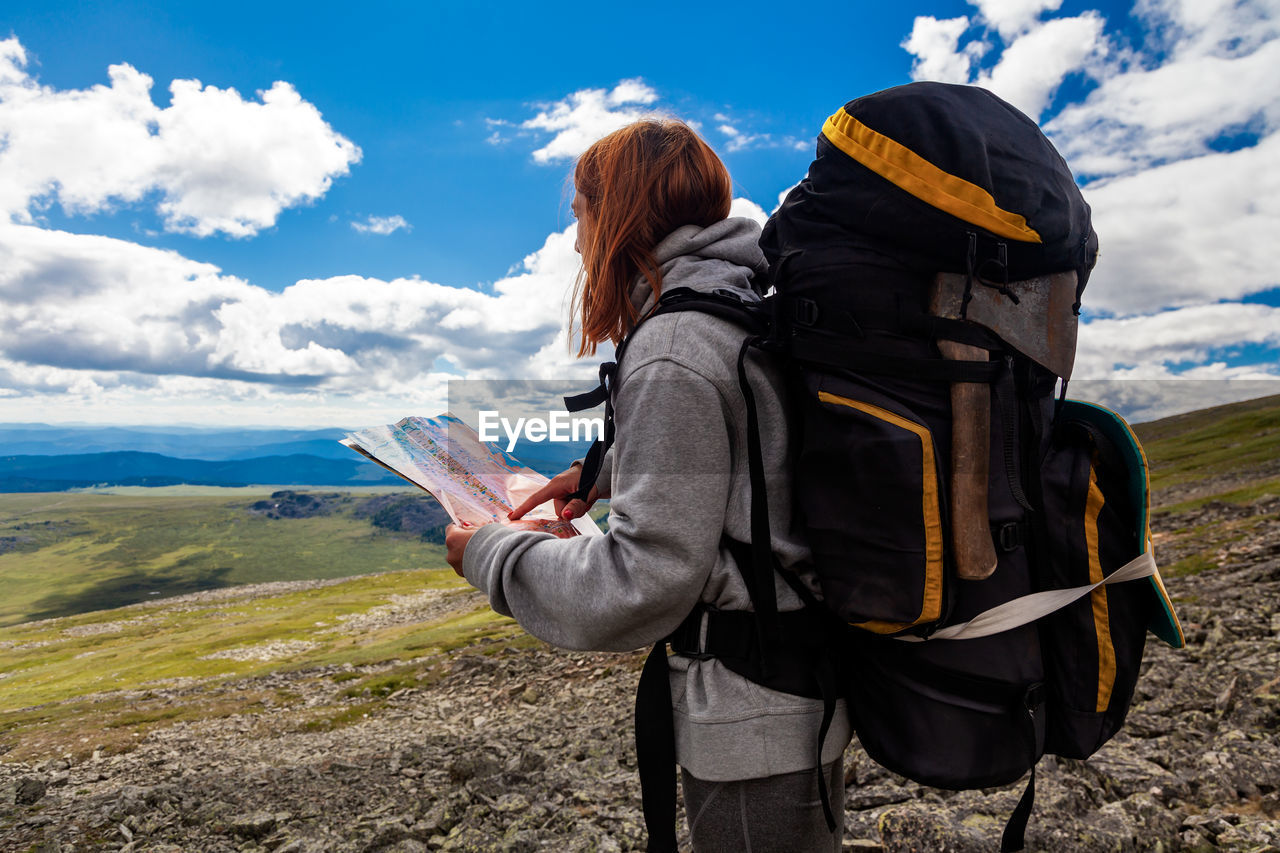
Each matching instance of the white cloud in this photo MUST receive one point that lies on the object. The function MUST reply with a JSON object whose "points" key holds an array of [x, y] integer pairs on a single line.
{"points": [[1035, 64], [586, 115], [1037, 58], [1180, 223], [1160, 346], [382, 225], [98, 325], [1145, 115], [1152, 366], [736, 140], [748, 209], [218, 162], [633, 91], [119, 324], [1011, 18], [1192, 231], [935, 44], [1221, 27]]}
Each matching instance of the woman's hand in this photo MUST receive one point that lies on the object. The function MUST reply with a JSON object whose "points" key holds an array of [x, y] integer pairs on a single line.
{"points": [[558, 488], [455, 543]]}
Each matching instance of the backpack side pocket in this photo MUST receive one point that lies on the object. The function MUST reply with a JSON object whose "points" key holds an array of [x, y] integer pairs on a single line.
{"points": [[872, 506], [1095, 521]]}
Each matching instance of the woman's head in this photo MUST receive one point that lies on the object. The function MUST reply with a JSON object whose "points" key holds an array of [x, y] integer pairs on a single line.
{"points": [[634, 187]]}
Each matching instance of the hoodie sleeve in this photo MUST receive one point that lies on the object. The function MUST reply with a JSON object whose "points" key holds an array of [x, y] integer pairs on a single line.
{"points": [[635, 584]]}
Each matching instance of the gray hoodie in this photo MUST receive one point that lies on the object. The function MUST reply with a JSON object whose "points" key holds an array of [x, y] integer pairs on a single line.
{"points": [[677, 481]]}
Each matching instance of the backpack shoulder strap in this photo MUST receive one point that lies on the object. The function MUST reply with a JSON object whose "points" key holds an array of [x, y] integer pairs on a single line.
{"points": [[722, 302]]}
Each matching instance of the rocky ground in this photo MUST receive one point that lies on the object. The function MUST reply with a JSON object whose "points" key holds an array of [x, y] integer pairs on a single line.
{"points": [[526, 748]]}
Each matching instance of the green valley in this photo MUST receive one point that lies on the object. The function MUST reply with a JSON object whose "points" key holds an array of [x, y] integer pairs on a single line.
{"points": [[63, 553]]}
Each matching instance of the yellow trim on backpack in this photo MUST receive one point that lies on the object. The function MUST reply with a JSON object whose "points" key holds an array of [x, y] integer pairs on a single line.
{"points": [[931, 605], [1101, 615], [906, 169]]}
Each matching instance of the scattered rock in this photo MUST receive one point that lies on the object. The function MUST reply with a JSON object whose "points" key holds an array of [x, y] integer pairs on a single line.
{"points": [[257, 825], [552, 767], [473, 765], [29, 790], [920, 828]]}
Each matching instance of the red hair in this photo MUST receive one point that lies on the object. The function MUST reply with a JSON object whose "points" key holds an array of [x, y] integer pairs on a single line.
{"points": [[640, 183]]}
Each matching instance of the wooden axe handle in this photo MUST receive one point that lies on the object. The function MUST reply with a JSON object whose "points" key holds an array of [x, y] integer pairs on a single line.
{"points": [[970, 463]]}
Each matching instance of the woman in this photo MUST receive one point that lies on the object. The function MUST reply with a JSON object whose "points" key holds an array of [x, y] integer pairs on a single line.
{"points": [[652, 202]]}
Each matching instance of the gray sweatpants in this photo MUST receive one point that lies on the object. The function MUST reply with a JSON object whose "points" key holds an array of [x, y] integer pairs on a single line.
{"points": [[769, 815]]}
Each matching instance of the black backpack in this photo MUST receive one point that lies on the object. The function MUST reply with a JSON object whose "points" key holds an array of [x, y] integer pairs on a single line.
{"points": [[930, 264]]}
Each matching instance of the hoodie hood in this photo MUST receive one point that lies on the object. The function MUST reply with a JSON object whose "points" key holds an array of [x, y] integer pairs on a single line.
{"points": [[724, 255]]}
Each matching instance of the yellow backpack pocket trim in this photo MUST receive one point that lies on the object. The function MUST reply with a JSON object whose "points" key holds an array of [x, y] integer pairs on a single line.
{"points": [[1101, 615]]}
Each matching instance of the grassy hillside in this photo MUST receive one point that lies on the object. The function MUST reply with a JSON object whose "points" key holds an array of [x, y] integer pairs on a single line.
{"points": [[1239, 439], [66, 553], [96, 679]]}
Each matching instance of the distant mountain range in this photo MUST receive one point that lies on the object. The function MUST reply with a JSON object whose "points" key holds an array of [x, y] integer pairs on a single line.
{"points": [[43, 458], [182, 442]]}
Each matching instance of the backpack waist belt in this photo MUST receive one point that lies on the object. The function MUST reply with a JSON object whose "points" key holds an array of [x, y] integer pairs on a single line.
{"points": [[732, 637]]}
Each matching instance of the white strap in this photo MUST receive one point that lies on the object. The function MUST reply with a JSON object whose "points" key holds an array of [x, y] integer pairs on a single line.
{"points": [[1029, 608]]}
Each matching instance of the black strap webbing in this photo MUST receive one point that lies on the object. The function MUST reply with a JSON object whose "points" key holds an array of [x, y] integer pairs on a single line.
{"points": [[1006, 392], [760, 580], [829, 685], [594, 461], [839, 356], [1015, 830], [656, 751]]}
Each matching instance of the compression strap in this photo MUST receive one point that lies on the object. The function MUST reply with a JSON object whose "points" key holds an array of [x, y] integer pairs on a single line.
{"points": [[1037, 605]]}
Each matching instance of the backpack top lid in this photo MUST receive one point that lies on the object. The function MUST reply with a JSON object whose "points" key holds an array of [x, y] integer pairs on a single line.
{"points": [[912, 171]]}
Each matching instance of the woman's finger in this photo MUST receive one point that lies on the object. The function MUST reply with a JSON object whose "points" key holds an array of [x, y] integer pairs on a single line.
{"points": [[551, 490], [559, 486], [577, 507]]}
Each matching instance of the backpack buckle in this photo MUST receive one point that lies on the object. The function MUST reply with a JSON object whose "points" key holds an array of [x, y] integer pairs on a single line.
{"points": [[744, 297], [1008, 536], [805, 311], [689, 638]]}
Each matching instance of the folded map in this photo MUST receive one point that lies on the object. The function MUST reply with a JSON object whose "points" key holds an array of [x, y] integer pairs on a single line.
{"points": [[474, 482]]}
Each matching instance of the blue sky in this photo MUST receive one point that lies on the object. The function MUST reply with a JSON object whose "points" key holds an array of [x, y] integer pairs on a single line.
{"points": [[193, 255], [413, 86]]}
